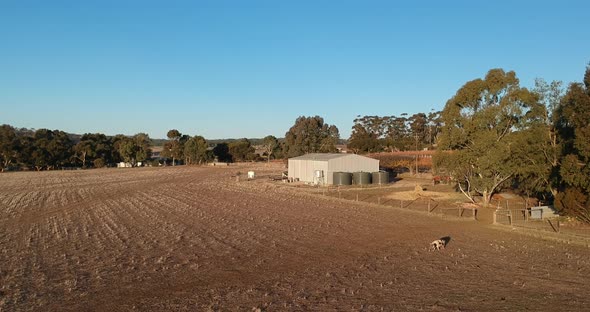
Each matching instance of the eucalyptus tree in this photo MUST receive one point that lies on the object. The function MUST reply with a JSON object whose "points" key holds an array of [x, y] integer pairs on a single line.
{"points": [[173, 148], [484, 123], [241, 150], [196, 150], [270, 145], [133, 149], [363, 140], [573, 126], [9, 146], [311, 135]]}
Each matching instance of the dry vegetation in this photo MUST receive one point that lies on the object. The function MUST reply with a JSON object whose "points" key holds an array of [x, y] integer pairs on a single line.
{"points": [[194, 239]]}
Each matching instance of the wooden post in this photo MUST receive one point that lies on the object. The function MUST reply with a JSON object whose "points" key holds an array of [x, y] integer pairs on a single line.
{"points": [[494, 220], [429, 205], [357, 197]]}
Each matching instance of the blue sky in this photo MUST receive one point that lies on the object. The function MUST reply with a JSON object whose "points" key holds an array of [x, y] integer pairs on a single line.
{"points": [[231, 69]]}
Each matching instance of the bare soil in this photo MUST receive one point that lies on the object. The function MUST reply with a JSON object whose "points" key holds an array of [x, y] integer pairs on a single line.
{"points": [[195, 239]]}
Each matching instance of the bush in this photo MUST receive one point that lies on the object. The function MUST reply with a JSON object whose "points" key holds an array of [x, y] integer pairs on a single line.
{"points": [[99, 163]]}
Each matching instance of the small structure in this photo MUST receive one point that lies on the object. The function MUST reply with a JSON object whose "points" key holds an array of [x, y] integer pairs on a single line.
{"points": [[543, 212], [319, 168]]}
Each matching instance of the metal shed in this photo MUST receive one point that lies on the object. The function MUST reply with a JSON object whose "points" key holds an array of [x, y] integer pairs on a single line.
{"points": [[319, 168]]}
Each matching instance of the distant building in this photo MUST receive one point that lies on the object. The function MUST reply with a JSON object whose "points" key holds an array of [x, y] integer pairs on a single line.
{"points": [[320, 167], [342, 148]]}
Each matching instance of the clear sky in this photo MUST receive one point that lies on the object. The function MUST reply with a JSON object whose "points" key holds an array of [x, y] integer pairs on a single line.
{"points": [[232, 69]]}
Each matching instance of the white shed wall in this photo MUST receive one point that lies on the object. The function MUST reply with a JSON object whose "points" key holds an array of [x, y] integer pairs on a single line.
{"points": [[304, 169], [351, 163]]}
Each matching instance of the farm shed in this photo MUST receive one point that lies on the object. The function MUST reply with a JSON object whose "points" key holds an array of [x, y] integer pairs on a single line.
{"points": [[320, 167]]}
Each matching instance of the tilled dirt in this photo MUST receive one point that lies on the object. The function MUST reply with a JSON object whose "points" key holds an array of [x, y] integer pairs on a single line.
{"points": [[195, 239]]}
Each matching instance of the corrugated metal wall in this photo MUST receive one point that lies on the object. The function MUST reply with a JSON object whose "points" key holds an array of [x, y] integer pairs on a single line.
{"points": [[351, 163], [304, 169]]}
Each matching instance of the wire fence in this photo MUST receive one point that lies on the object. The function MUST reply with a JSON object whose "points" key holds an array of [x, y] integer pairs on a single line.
{"points": [[516, 217], [420, 204], [523, 218]]}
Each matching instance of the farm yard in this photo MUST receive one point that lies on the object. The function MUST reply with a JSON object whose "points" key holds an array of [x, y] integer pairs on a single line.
{"points": [[201, 239]]}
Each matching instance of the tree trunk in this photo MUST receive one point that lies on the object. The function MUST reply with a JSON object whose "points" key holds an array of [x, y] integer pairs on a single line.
{"points": [[487, 197]]}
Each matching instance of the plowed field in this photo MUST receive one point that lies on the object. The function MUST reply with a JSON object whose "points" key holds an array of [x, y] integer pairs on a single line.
{"points": [[195, 239]]}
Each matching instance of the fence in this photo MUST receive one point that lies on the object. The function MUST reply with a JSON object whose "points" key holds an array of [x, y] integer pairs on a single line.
{"points": [[522, 218], [421, 204]]}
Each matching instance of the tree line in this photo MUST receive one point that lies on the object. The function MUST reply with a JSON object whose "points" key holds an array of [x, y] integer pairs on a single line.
{"points": [[46, 149], [372, 134]]}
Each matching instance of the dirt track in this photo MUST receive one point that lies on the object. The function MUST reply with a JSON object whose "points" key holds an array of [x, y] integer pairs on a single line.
{"points": [[194, 239]]}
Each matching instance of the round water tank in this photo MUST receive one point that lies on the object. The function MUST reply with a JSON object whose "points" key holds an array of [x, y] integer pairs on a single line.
{"points": [[380, 177], [361, 178], [342, 178]]}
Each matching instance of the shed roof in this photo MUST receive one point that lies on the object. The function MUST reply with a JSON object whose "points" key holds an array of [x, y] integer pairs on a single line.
{"points": [[321, 156]]}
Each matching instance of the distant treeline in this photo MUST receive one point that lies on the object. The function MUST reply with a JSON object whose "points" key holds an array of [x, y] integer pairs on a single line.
{"points": [[44, 149]]}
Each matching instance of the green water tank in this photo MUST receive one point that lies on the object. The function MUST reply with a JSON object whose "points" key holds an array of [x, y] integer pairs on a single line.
{"points": [[361, 178], [342, 178]]}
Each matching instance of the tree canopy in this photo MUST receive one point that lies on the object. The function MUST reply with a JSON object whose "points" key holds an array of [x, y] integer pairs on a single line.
{"points": [[311, 135], [573, 126], [484, 124]]}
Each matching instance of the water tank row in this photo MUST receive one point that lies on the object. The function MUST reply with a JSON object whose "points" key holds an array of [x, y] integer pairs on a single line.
{"points": [[360, 178]]}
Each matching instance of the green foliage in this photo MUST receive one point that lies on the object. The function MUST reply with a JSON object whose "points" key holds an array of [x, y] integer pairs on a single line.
{"points": [[271, 145], [133, 149], [221, 152], [195, 150], [573, 126], [485, 124], [174, 147], [241, 150], [9, 146], [99, 163], [93, 146], [50, 149], [311, 135], [375, 133], [363, 140]]}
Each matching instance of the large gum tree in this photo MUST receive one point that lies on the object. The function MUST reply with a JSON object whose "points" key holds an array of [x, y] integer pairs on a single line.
{"points": [[484, 123]]}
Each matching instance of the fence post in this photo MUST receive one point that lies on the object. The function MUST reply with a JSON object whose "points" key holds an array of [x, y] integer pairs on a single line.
{"points": [[357, 197], [494, 220]]}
